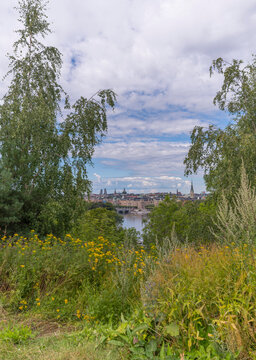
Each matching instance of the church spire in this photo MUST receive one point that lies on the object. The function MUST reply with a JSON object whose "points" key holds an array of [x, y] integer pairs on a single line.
{"points": [[192, 193]]}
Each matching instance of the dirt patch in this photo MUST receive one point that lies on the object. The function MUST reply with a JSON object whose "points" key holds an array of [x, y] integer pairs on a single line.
{"points": [[39, 326]]}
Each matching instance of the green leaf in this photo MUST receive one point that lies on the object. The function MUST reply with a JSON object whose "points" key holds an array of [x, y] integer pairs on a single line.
{"points": [[162, 352], [151, 348], [116, 342], [140, 328], [171, 329]]}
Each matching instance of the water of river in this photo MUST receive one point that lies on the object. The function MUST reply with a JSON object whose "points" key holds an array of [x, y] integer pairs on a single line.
{"points": [[131, 220]]}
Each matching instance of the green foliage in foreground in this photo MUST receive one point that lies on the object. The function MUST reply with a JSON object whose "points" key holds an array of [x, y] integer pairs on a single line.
{"points": [[181, 301], [16, 334], [188, 301], [57, 345]]}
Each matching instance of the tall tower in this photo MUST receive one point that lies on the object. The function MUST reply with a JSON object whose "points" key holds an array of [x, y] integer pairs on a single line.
{"points": [[192, 193]]}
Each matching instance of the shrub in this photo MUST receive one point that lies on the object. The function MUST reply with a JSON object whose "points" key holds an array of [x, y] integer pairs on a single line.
{"points": [[209, 294]]}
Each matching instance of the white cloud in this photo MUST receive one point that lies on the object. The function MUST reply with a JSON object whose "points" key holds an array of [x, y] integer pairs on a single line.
{"points": [[140, 150], [144, 157], [144, 46], [161, 125], [98, 177], [156, 56], [145, 184]]}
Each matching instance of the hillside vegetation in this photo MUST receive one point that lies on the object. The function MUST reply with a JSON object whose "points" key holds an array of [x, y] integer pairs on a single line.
{"points": [[74, 284], [170, 301]]}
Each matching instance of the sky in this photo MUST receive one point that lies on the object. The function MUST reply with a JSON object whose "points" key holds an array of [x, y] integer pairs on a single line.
{"points": [[155, 55]]}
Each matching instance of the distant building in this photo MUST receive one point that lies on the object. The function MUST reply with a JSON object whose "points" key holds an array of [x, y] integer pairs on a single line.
{"points": [[141, 201], [192, 193]]}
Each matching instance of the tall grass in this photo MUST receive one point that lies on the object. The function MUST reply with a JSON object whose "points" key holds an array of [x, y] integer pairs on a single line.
{"points": [[236, 220], [210, 296], [70, 278]]}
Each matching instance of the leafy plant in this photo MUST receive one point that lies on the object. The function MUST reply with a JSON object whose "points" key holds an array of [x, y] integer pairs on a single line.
{"points": [[210, 352], [17, 334]]}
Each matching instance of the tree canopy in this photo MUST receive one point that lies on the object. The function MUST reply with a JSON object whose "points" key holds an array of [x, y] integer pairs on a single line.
{"points": [[45, 153], [172, 220], [220, 152]]}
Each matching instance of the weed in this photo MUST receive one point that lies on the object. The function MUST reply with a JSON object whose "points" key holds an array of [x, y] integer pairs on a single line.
{"points": [[16, 334]]}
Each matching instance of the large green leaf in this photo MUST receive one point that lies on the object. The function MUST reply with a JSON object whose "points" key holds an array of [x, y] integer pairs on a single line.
{"points": [[171, 329]]}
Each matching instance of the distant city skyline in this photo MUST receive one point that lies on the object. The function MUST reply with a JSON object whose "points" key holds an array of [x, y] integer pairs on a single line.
{"points": [[134, 203], [155, 55], [111, 191]]}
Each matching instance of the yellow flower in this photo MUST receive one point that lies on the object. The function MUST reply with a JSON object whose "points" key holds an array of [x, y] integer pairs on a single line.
{"points": [[22, 266], [37, 299], [53, 298], [38, 304], [20, 307], [66, 301], [58, 310]]}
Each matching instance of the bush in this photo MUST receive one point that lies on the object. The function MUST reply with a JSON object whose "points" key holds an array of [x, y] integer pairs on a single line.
{"points": [[209, 294], [99, 222]]}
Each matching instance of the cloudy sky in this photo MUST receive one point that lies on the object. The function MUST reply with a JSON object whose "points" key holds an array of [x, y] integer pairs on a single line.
{"points": [[155, 54]]}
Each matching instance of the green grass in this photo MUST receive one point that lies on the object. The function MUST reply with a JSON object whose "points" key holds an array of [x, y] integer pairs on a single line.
{"points": [[55, 347], [31, 338]]}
